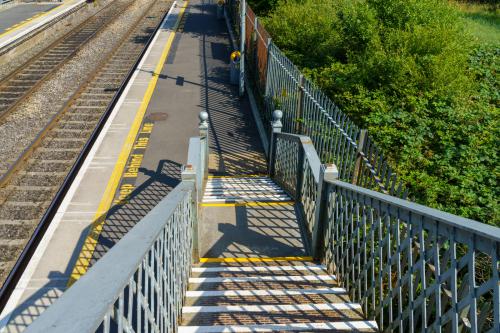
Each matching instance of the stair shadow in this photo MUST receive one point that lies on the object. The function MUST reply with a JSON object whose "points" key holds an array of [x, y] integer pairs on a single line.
{"points": [[252, 231], [119, 220]]}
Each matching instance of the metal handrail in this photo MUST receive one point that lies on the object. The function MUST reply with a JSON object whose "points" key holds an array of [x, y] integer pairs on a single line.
{"points": [[412, 267], [367, 197], [141, 282], [131, 285]]}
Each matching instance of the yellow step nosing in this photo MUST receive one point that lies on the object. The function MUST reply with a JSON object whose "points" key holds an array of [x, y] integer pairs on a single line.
{"points": [[252, 259]]}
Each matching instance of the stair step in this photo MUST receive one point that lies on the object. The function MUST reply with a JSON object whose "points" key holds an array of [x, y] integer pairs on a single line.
{"points": [[278, 278], [265, 297], [244, 198], [274, 308], [258, 268], [359, 326], [260, 292], [264, 317]]}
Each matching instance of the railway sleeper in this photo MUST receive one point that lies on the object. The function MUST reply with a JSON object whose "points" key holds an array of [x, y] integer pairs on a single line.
{"points": [[82, 117], [63, 143], [38, 178], [37, 165], [91, 102], [76, 125], [55, 155], [29, 193], [20, 211], [14, 230], [71, 133]]}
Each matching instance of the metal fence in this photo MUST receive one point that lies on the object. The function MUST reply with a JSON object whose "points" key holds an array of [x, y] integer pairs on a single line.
{"points": [[139, 285], [413, 268], [279, 84]]}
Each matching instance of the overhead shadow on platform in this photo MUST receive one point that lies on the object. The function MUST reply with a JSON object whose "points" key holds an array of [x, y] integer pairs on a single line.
{"points": [[234, 141]]}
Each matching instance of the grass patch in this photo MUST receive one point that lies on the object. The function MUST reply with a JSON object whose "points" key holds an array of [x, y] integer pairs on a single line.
{"points": [[483, 21]]}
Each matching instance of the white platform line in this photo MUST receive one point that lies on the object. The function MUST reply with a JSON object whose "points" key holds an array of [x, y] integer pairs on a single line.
{"points": [[296, 278], [337, 326], [272, 308], [257, 269], [260, 292]]}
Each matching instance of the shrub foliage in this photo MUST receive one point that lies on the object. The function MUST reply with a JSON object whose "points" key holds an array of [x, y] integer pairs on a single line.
{"points": [[407, 71]]}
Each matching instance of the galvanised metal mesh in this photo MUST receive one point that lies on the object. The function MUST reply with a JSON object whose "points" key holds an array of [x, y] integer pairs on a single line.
{"points": [[152, 300], [294, 169], [413, 268], [308, 111], [139, 285]]}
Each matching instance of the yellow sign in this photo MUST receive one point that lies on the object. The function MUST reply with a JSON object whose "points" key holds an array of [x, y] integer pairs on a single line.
{"points": [[235, 56]]}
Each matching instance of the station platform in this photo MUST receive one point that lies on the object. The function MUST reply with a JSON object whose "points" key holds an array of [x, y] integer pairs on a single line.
{"points": [[19, 19], [137, 158]]}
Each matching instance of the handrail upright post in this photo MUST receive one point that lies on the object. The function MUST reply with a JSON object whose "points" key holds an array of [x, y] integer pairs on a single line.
{"points": [[242, 46], [300, 175], [300, 103], [189, 174], [327, 173], [276, 126], [203, 127]]}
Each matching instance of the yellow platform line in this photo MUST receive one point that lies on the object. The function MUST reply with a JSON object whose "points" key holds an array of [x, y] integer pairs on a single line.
{"points": [[28, 20], [90, 243], [250, 259], [251, 204]]}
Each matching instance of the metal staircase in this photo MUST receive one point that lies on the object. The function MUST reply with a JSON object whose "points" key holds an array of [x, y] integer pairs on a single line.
{"points": [[266, 296]]}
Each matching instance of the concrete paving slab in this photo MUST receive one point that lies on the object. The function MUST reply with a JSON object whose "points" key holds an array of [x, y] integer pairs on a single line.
{"points": [[251, 231]]}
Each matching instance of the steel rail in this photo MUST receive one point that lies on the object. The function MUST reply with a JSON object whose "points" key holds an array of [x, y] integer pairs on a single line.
{"points": [[52, 71], [26, 154], [27, 253]]}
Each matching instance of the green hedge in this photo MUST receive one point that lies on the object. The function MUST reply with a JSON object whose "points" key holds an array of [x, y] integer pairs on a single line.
{"points": [[408, 72]]}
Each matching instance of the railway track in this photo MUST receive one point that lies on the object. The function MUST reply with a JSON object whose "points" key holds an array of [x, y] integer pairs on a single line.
{"points": [[19, 84], [33, 183]]}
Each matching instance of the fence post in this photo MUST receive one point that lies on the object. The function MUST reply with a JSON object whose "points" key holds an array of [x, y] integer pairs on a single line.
{"points": [[267, 101], [203, 126], [359, 157], [255, 56], [188, 173], [242, 46], [300, 102], [327, 172], [276, 128]]}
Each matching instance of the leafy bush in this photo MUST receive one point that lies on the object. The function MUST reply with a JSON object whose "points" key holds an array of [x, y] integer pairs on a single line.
{"points": [[403, 69]]}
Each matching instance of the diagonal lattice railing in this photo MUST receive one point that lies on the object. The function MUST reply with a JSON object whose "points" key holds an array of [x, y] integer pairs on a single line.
{"points": [[413, 268], [140, 283]]}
